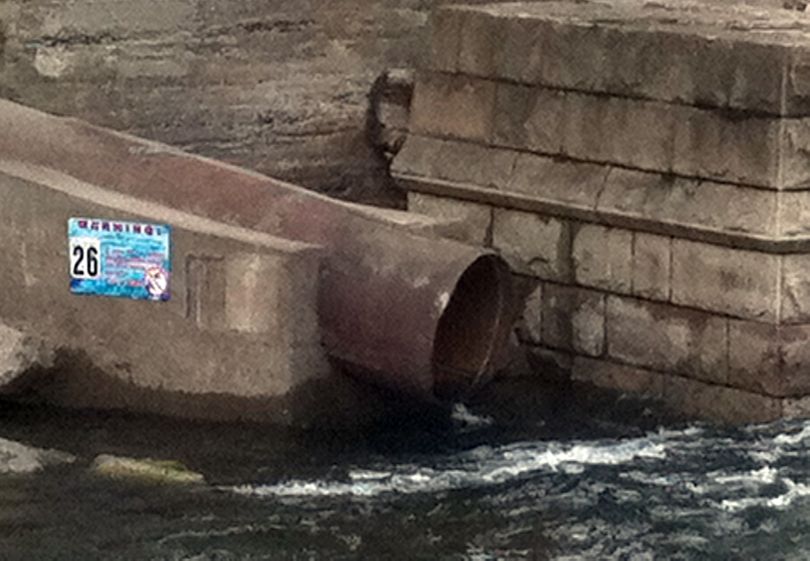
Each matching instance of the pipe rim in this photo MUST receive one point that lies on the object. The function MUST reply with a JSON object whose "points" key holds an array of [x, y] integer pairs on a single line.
{"points": [[472, 327]]}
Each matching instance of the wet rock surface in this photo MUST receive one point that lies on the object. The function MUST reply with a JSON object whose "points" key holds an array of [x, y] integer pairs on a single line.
{"points": [[146, 470], [17, 458]]}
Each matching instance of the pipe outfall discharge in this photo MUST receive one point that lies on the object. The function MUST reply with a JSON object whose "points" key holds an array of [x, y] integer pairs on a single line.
{"points": [[266, 288]]}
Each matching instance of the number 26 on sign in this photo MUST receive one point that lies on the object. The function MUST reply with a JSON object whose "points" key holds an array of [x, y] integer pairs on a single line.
{"points": [[84, 258]]}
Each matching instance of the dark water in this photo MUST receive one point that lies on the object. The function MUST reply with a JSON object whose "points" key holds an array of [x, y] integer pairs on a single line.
{"points": [[566, 483]]}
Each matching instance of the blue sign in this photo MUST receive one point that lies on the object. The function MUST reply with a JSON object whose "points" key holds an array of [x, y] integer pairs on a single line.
{"points": [[122, 259]]}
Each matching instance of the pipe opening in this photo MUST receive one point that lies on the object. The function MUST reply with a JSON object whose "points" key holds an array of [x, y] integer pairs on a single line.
{"points": [[471, 329]]}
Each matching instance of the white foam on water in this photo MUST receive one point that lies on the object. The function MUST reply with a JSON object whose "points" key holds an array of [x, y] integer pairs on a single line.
{"points": [[463, 416], [793, 438], [780, 502], [766, 456], [479, 467], [762, 476]]}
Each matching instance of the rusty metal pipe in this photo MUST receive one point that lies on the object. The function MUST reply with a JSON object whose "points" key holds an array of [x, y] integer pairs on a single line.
{"points": [[407, 310]]}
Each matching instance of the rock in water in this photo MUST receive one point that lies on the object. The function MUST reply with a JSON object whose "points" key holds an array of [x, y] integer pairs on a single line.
{"points": [[18, 458], [147, 470]]}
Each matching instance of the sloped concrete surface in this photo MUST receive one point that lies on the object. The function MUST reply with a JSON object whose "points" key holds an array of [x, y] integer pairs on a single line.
{"points": [[19, 354]]}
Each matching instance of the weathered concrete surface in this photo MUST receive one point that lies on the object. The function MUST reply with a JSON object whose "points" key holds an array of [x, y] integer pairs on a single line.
{"points": [[214, 337], [21, 355]]}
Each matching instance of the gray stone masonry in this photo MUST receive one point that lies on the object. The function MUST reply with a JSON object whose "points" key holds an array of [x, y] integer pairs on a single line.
{"points": [[716, 55], [752, 149], [647, 165]]}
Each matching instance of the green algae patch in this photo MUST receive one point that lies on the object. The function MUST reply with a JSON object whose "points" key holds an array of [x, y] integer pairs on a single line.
{"points": [[145, 470]]}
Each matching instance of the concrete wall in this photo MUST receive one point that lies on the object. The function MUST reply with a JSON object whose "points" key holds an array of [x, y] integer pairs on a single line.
{"points": [[279, 86]]}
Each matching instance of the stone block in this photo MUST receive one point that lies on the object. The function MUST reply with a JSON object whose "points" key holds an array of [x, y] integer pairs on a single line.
{"points": [[453, 106], [794, 214], [696, 205], [460, 162], [465, 221], [480, 39], [634, 133], [796, 408], [530, 118], [736, 282], [445, 39], [483, 166], [575, 184], [754, 357], [529, 327], [565, 54], [795, 359], [603, 257], [705, 55], [417, 157], [794, 163], [533, 244], [668, 339], [619, 377], [550, 364], [795, 288], [745, 149], [520, 57], [719, 403], [651, 266], [573, 319]]}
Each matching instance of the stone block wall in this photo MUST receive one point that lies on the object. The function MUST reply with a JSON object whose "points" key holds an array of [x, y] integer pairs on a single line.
{"points": [[645, 167]]}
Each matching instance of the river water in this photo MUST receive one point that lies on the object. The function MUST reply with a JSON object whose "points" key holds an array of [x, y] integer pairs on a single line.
{"points": [[576, 481]]}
